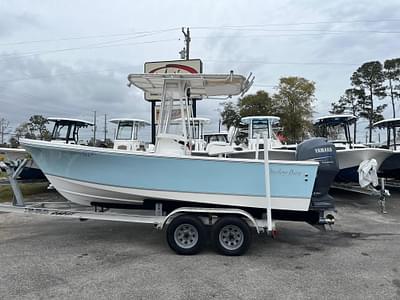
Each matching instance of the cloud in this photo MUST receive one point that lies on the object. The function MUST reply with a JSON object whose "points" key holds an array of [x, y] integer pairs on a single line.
{"points": [[55, 89], [12, 23]]}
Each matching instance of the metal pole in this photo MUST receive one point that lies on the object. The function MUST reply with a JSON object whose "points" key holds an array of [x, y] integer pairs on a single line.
{"points": [[18, 199], [257, 145], [105, 127], [94, 129], [267, 183], [2, 131], [153, 122]]}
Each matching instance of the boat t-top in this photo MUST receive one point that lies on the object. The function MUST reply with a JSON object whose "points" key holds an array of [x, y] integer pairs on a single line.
{"points": [[127, 134], [337, 129], [66, 130]]}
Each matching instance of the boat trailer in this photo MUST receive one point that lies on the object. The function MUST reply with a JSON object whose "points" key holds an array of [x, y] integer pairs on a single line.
{"points": [[187, 228], [382, 193]]}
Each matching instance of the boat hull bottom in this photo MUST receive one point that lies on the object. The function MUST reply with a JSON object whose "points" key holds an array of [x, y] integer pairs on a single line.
{"points": [[348, 175], [88, 194], [391, 167]]}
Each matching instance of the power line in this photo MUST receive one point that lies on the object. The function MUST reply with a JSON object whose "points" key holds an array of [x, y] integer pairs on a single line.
{"points": [[314, 30], [296, 35], [89, 45], [84, 47], [140, 34], [282, 63], [66, 74], [206, 60], [230, 27], [298, 23]]}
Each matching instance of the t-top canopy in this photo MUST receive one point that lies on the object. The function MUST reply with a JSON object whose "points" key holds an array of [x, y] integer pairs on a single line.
{"points": [[271, 119], [201, 85], [67, 121], [388, 123], [335, 120], [195, 120], [139, 121]]}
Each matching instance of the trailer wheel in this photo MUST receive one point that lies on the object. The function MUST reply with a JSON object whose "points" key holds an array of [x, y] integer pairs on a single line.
{"points": [[231, 236], [186, 235]]}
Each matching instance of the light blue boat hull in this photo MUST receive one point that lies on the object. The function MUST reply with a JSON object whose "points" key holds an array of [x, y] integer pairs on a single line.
{"points": [[86, 175]]}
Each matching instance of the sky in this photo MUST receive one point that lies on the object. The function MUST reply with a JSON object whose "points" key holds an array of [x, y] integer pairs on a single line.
{"points": [[71, 58]]}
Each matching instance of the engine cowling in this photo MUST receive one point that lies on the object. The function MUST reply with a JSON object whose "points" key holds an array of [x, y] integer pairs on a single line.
{"points": [[319, 149]]}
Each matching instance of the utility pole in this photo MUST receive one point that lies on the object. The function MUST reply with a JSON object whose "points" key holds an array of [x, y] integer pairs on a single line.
{"points": [[105, 127], [3, 126], [94, 129], [187, 41], [186, 51]]}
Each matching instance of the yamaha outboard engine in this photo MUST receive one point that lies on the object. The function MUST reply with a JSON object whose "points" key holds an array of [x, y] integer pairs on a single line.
{"points": [[320, 150]]}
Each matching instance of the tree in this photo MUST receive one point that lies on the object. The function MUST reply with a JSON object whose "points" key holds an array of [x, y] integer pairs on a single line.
{"points": [[34, 129], [38, 126], [259, 104], [24, 131], [230, 115], [368, 81], [392, 75], [293, 102], [348, 103]]}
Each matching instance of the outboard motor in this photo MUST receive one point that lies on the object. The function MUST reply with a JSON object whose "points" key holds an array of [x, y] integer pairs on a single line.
{"points": [[319, 149]]}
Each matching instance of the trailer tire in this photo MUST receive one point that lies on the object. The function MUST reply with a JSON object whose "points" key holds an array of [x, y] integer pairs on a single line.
{"points": [[231, 236], [186, 235]]}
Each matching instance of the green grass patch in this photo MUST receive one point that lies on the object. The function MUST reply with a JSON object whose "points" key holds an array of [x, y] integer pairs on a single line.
{"points": [[27, 189]]}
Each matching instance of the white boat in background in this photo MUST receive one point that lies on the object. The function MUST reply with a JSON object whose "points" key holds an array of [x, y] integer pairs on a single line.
{"points": [[65, 130], [127, 134], [171, 175], [336, 128], [390, 168], [15, 156], [220, 137], [256, 128]]}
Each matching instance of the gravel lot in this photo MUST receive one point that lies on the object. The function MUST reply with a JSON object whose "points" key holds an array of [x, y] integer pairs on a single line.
{"points": [[43, 257]]}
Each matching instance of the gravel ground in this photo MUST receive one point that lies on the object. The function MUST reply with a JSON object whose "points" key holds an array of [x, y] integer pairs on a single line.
{"points": [[43, 257]]}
